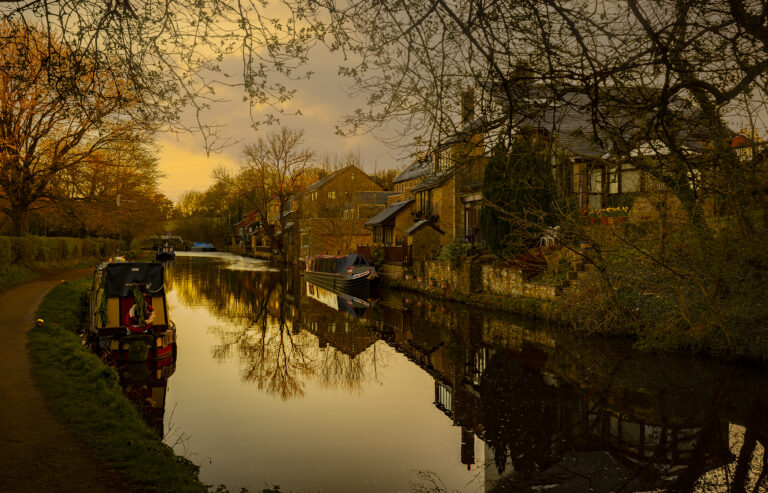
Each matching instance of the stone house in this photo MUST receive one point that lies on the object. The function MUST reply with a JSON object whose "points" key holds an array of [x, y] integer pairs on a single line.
{"points": [[439, 196], [607, 164], [329, 212], [412, 176], [389, 227]]}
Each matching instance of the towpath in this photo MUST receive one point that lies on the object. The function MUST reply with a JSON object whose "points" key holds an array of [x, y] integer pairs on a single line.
{"points": [[37, 452]]}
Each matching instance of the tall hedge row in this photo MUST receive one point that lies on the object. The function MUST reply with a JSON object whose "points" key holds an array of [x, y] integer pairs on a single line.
{"points": [[31, 251]]}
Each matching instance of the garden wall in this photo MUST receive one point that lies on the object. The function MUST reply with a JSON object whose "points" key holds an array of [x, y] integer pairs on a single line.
{"points": [[471, 277], [505, 281]]}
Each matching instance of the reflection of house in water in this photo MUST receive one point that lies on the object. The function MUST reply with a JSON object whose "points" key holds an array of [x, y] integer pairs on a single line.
{"points": [[538, 429], [336, 319], [146, 385]]}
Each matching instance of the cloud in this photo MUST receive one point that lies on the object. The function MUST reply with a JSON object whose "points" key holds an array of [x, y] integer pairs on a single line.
{"points": [[322, 102], [186, 165]]}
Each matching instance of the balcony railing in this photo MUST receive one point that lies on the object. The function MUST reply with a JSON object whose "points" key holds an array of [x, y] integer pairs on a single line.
{"points": [[397, 254]]}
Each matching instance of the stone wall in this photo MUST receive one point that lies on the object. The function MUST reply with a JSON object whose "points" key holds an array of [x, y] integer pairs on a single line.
{"points": [[505, 281], [472, 277], [459, 278]]}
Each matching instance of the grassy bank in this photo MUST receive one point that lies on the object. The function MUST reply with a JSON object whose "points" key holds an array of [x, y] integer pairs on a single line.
{"points": [[86, 395]]}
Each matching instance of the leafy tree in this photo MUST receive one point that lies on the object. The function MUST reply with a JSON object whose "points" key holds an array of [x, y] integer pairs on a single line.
{"points": [[519, 197], [85, 198], [496, 193], [46, 131]]}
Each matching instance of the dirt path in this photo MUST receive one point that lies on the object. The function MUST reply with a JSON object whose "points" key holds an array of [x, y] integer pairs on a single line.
{"points": [[37, 452]]}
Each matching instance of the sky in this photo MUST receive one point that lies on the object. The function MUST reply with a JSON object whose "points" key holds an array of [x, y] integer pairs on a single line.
{"points": [[322, 101]]}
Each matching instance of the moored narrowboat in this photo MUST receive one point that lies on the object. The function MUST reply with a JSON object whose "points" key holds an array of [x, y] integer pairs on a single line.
{"points": [[165, 252], [199, 246], [348, 273], [128, 317]]}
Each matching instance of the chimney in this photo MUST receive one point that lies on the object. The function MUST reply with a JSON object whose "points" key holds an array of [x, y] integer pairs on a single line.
{"points": [[467, 106]]}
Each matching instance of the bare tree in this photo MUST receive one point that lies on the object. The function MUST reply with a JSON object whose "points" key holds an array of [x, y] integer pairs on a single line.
{"points": [[177, 55], [275, 168]]}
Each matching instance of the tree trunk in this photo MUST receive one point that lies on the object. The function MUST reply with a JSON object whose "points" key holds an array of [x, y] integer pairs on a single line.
{"points": [[18, 215]]}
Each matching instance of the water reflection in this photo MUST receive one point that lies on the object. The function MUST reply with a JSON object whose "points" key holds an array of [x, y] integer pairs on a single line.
{"points": [[537, 408], [146, 385]]}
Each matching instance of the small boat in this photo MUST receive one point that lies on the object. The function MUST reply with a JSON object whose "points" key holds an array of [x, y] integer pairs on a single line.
{"points": [[128, 317], [203, 247], [347, 273], [165, 252]]}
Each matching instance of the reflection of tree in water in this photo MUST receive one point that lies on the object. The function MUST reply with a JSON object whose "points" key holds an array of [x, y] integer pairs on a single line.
{"points": [[265, 331], [279, 357], [518, 414], [336, 370]]}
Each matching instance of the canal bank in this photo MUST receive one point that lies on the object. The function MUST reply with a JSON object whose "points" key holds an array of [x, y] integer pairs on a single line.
{"points": [[477, 281], [39, 452], [70, 428], [577, 295]]}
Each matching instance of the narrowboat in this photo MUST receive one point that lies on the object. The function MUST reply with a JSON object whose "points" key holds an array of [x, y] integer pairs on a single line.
{"points": [[347, 273], [128, 317], [203, 247], [165, 252]]}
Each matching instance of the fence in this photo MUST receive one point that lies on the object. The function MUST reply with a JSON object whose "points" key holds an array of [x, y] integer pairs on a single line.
{"points": [[398, 254]]}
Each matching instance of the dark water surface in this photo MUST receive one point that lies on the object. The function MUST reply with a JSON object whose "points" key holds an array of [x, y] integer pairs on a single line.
{"points": [[280, 383]]}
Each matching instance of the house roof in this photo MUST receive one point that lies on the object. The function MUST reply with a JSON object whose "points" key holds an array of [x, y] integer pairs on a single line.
{"points": [[433, 181], [479, 125], [420, 224], [389, 212], [327, 178], [248, 219], [569, 119], [417, 169]]}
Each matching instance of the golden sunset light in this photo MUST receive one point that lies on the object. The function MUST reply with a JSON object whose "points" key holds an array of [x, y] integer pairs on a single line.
{"points": [[383, 246]]}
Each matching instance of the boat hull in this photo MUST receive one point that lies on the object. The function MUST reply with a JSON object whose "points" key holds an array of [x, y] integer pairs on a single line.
{"points": [[148, 346], [361, 286]]}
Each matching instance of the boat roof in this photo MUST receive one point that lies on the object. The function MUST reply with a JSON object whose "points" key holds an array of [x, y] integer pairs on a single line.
{"points": [[118, 276]]}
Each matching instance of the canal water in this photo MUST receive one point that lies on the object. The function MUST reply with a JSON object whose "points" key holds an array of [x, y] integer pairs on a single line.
{"points": [[278, 382]]}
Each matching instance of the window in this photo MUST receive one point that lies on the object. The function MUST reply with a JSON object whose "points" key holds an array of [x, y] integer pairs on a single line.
{"points": [[425, 202], [352, 177], [332, 195], [388, 230], [383, 234], [472, 221], [613, 180]]}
